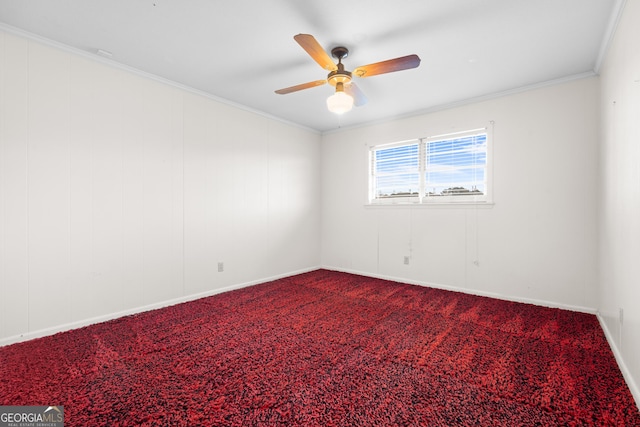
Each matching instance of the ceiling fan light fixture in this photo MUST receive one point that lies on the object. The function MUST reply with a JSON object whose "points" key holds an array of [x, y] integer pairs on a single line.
{"points": [[339, 102]]}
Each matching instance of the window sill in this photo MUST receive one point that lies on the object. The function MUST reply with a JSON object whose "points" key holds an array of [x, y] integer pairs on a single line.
{"points": [[435, 205]]}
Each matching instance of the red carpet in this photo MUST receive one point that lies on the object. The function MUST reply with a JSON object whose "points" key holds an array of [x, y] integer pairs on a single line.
{"points": [[327, 349]]}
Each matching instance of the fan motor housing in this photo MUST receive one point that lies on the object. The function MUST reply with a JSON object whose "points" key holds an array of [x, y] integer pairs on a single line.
{"points": [[339, 76]]}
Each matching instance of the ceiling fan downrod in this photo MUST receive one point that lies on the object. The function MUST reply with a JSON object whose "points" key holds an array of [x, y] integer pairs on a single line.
{"points": [[340, 75]]}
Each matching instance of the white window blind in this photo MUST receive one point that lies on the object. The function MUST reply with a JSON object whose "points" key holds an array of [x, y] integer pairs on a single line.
{"points": [[396, 171], [456, 165], [439, 169]]}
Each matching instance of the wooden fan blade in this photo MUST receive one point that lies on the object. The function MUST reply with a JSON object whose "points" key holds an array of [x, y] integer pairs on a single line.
{"points": [[359, 98], [300, 87], [313, 48], [389, 66]]}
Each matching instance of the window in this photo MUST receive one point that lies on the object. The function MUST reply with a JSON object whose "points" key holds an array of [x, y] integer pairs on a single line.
{"points": [[397, 171], [438, 169]]}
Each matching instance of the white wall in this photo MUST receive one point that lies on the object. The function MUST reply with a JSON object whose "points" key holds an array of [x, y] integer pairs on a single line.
{"points": [[619, 226], [537, 243], [119, 192]]}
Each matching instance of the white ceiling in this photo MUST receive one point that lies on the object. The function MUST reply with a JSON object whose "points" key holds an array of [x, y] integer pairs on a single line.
{"points": [[243, 50]]}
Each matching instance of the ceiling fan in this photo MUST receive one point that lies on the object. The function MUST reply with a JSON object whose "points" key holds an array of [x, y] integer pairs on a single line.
{"points": [[347, 93]]}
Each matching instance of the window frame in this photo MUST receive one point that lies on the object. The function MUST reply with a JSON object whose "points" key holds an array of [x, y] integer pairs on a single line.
{"points": [[372, 187], [422, 199]]}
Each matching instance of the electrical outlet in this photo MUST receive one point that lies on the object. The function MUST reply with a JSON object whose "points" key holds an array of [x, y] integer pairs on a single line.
{"points": [[406, 260], [220, 267]]}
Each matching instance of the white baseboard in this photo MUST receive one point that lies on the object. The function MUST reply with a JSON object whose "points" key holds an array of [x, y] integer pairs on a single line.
{"points": [[633, 387], [542, 303], [98, 319]]}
